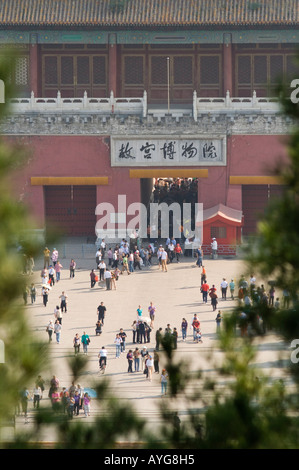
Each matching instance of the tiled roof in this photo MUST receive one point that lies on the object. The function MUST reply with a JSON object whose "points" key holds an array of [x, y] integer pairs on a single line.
{"points": [[148, 12]]}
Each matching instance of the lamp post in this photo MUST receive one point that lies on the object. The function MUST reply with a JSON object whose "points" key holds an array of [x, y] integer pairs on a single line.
{"points": [[168, 78]]}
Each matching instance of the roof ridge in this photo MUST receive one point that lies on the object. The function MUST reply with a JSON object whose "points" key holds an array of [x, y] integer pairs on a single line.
{"points": [[148, 12]]}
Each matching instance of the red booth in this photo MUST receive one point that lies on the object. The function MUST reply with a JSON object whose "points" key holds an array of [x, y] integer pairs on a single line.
{"points": [[224, 224]]}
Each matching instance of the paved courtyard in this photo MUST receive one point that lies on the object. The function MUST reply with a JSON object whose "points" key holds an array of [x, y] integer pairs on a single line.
{"points": [[175, 293]]}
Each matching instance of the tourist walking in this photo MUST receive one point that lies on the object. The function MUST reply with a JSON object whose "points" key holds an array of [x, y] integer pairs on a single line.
{"points": [[214, 248], [218, 321], [102, 269], [45, 294], [101, 312], [72, 268], [93, 277], [205, 289], [203, 276], [184, 326], [103, 358], [224, 286], [63, 301], [164, 258], [51, 273], [136, 356], [163, 380], [144, 354], [76, 343], [134, 330], [77, 402], [33, 293], [107, 277], [54, 257], [117, 343], [123, 336], [195, 326], [156, 362], [40, 383], [46, 257], [58, 314], [57, 331], [130, 360], [150, 367], [199, 257], [175, 338], [214, 300], [158, 338], [178, 252], [50, 329], [85, 340], [58, 267], [86, 404], [232, 289], [37, 394], [152, 311], [139, 311], [142, 334], [98, 256]]}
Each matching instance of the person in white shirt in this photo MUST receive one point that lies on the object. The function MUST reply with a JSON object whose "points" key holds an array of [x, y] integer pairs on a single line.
{"points": [[214, 246], [37, 394], [54, 256], [102, 356], [103, 247], [171, 251], [159, 255], [107, 277], [164, 260], [98, 257], [224, 286], [51, 275], [150, 367], [102, 268], [57, 331], [50, 329], [118, 342]]}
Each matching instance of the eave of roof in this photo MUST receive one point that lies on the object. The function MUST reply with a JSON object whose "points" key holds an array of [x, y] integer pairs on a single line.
{"points": [[148, 13]]}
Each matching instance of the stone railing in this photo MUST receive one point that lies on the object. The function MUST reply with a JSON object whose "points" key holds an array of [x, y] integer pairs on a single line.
{"points": [[229, 104], [109, 105], [139, 107]]}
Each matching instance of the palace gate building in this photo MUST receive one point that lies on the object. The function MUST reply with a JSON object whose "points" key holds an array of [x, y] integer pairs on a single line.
{"points": [[112, 95]]}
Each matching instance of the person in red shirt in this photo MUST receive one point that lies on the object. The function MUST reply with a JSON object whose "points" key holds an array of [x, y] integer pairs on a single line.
{"points": [[195, 325], [178, 251], [205, 289], [212, 290]]}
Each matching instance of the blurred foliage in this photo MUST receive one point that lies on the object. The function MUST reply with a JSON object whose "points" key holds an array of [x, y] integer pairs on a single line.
{"points": [[24, 356]]}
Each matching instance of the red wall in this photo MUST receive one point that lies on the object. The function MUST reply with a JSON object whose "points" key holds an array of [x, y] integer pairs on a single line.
{"points": [[90, 156], [71, 156], [247, 155]]}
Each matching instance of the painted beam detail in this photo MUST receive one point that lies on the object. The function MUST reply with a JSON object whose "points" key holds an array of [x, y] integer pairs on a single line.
{"points": [[255, 180], [70, 181], [176, 173]]}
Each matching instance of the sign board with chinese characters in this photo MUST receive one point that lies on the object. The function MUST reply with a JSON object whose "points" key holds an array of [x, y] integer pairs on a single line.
{"points": [[166, 151]]}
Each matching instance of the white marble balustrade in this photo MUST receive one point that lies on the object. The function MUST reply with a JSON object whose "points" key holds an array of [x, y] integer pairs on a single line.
{"points": [[230, 104], [109, 105]]}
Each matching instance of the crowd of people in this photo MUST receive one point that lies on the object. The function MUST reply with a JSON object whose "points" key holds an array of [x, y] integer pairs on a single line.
{"points": [[70, 400], [140, 355], [178, 189]]}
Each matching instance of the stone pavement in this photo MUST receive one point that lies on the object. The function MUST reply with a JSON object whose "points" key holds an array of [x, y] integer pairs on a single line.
{"points": [[175, 293]]}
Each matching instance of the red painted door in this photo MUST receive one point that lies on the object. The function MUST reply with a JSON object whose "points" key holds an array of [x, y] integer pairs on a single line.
{"points": [[254, 202], [71, 209]]}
